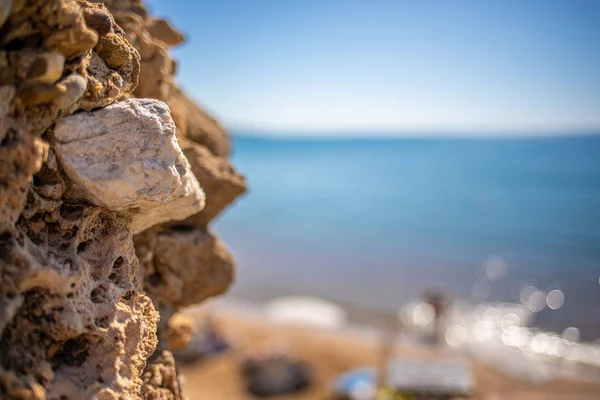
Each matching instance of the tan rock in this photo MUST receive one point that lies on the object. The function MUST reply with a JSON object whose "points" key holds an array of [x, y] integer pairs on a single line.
{"points": [[219, 180], [72, 42], [113, 49], [74, 319], [163, 31], [194, 261], [160, 378], [99, 20], [156, 76], [21, 156], [46, 67], [180, 331], [199, 126], [40, 93]]}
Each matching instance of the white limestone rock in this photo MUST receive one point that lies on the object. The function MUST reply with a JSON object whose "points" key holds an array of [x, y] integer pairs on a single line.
{"points": [[126, 158]]}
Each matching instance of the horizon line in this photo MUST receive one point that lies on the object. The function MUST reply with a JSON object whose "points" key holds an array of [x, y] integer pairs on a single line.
{"points": [[314, 134]]}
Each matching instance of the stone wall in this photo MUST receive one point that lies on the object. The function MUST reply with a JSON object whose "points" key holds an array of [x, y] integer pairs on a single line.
{"points": [[109, 177]]}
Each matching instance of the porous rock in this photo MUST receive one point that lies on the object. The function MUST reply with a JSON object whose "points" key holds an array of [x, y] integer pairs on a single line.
{"points": [[160, 378], [83, 166], [169, 278], [207, 268]]}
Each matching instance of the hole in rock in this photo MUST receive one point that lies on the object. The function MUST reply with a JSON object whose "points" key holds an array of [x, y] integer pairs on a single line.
{"points": [[98, 294], [128, 294], [73, 353], [155, 279], [118, 263], [182, 227], [83, 246], [71, 212]]}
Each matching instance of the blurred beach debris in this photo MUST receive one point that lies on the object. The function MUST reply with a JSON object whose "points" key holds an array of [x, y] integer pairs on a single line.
{"points": [[357, 384], [307, 311], [275, 374], [408, 379], [441, 378]]}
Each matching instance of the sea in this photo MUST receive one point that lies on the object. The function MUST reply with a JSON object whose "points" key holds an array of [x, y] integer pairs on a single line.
{"points": [[375, 223]]}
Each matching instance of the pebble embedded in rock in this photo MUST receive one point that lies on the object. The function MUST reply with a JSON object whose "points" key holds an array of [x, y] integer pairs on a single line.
{"points": [[46, 68], [5, 6], [40, 93], [72, 42], [99, 20], [75, 86], [113, 50]]}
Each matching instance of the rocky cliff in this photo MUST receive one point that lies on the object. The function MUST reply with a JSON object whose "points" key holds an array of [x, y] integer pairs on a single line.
{"points": [[109, 177]]}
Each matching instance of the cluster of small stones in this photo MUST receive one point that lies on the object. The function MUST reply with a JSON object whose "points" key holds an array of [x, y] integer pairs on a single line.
{"points": [[95, 139]]}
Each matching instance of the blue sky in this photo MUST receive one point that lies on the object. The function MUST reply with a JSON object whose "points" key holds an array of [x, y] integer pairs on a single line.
{"points": [[392, 66]]}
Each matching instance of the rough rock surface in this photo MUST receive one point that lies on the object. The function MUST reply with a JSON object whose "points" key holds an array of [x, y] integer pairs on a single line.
{"points": [[206, 146], [160, 377], [126, 157], [170, 278], [83, 167]]}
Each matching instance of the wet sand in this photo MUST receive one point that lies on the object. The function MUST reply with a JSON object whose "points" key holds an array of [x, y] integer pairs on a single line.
{"points": [[331, 353]]}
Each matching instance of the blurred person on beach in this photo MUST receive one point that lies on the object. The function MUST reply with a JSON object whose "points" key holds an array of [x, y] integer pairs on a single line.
{"points": [[440, 303]]}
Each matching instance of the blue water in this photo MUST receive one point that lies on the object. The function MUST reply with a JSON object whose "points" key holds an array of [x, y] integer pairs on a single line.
{"points": [[376, 222]]}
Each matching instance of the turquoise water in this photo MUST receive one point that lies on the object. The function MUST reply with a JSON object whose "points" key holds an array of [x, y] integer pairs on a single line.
{"points": [[376, 222]]}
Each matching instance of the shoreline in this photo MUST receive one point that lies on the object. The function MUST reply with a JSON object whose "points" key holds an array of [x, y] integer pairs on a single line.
{"points": [[361, 290], [332, 352]]}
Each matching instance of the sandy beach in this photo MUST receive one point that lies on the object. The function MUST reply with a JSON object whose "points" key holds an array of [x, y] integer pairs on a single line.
{"points": [[331, 353]]}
